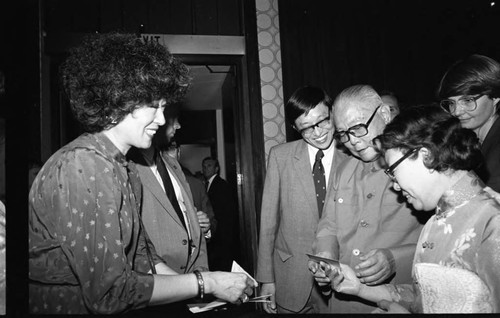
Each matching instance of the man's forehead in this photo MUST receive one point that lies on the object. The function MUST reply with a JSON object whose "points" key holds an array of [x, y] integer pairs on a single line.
{"points": [[319, 111], [348, 113]]}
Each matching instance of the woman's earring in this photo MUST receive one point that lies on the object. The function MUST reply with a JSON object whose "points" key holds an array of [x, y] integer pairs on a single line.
{"points": [[113, 120]]}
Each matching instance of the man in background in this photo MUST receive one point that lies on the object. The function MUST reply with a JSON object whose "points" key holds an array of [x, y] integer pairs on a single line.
{"points": [[221, 249], [390, 99], [168, 212], [205, 213]]}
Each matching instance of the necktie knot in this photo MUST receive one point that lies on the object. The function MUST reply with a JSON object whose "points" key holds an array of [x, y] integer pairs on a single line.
{"points": [[319, 155]]}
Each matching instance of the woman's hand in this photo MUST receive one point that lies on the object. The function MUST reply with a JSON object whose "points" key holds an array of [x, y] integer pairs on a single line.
{"points": [[232, 287], [345, 281]]}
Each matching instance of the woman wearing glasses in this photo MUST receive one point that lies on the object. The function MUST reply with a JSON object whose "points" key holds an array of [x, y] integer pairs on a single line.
{"points": [[455, 268], [470, 91]]}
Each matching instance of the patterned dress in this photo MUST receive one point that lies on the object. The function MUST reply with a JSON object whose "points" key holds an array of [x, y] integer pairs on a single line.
{"points": [[87, 249], [461, 239]]}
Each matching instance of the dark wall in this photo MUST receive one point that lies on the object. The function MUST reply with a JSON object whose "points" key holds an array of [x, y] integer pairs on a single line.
{"points": [[64, 22], [402, 46], [202, 17]]}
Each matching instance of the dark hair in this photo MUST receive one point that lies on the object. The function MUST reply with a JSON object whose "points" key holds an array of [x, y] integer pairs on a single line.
{"points": [[110, 75], [303, 100], [477, 74], [387, 93], [160, 139], [450, 145], [213, 159]]}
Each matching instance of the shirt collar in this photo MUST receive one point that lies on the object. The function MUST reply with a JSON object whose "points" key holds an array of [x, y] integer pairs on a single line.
{"points": [[313, 150], [460, 193], [109, 148], [211, 179]]}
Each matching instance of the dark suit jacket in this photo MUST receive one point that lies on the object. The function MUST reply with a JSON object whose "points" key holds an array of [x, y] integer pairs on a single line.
{"points": [[162, 223], [221, 249], [201, 200], [489, 172]]}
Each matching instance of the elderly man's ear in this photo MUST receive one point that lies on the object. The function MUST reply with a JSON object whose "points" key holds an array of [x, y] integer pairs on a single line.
{"points": [[385, 112]]}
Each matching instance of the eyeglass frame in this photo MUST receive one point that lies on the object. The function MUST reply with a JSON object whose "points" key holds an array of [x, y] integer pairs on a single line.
{"points": [[390, 171], [456, 103], [339, 134], [327, 120]]}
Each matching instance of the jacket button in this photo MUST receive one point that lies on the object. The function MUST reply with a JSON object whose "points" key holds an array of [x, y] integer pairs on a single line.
{"points": [[184, 242], [370, 195], [355, 252], [363, 223], [340, 200]]}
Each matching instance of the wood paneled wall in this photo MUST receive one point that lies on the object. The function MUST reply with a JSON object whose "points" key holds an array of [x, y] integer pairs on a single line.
{"points": [[402, 46]]}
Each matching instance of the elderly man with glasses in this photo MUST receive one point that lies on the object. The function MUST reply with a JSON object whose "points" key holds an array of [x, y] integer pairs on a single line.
{"points": [[367, 226]]}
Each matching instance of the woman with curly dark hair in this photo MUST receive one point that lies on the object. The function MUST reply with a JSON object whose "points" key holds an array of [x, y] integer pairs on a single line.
{"points": [[470, 91], [88, 250], [431, 160]]}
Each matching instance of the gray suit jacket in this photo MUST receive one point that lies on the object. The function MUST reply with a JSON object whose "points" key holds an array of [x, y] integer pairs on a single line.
{"points": [[289, 218], [162, 224]]}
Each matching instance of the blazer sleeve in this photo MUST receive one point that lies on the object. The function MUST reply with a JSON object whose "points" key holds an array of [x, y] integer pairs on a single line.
{"points": [[201, 262], [269, 221], [326, 234]]}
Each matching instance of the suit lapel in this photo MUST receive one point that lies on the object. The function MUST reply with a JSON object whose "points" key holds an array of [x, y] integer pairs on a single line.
{"points": [[195, 229], [149, 181], [338, 157], [176, 170], [302, 168], [333, 185]]}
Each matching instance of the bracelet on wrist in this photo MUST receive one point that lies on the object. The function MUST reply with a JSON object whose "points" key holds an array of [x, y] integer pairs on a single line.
{"points": [[201, 284]]}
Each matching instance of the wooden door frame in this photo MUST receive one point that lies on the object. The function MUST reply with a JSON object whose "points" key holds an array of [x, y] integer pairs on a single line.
{"points": [[249, 150]]}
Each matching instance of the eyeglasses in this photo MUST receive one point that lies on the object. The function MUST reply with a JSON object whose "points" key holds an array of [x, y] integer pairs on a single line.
{"points": [[325, 123], [358, 130], [390, 171], [468, 103]]}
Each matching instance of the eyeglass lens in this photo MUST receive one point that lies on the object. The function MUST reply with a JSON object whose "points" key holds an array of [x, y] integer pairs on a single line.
{"points": [[322, 124], [467, 103], [390, 171], [358, 130]]}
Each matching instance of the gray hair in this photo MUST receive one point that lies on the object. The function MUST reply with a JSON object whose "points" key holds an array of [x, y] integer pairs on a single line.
{"points": [[364, 96]]}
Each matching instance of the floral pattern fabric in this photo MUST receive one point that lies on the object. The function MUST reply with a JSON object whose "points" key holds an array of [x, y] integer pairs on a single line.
{"points": [[87, 249], [465, 234]]}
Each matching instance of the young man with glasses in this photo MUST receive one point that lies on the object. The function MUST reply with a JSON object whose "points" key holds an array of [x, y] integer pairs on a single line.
{"points": [[367, 227], [296, 191]]}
